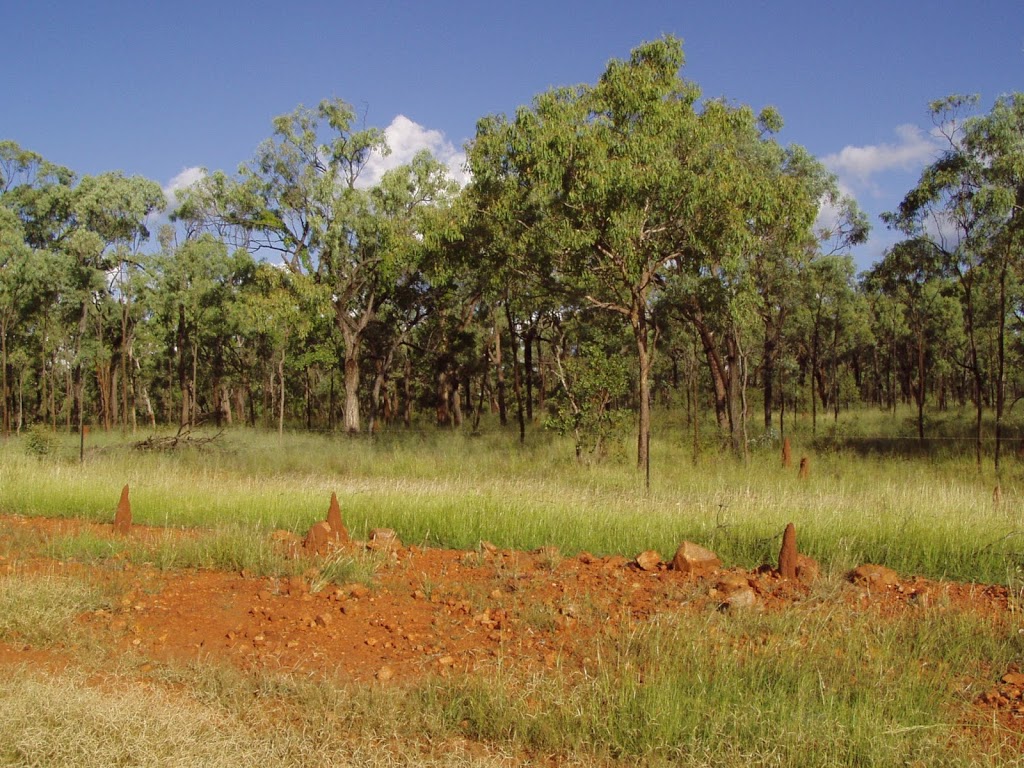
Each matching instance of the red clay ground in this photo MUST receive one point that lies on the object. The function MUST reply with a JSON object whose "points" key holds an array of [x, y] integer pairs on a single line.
{"points": [[434, 610]]}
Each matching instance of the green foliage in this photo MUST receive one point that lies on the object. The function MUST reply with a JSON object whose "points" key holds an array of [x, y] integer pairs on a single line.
{"points": [[585, 407], [40, 441]]}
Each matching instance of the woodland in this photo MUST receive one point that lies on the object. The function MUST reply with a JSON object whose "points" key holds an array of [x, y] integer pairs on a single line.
{"points": [[619, 245]]}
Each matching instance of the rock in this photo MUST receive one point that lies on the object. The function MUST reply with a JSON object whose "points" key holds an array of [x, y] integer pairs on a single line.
{"points": [[383, 539], [694, 560], [338, 530], [874, 576], [788, 553], [1013, 678], [318, 540], [787, 454], [358, 591], [740, 600], [648, 561], [807, 569], [732, 582], [805, 468], [586, 558], [123, 516], [385, 673], [488, 547]]}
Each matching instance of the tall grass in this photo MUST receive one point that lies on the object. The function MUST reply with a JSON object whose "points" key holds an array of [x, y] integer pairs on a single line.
{"points": [[934, 517], [815, 686]]}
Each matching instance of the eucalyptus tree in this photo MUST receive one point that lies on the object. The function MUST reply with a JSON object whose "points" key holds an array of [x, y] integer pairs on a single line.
{"points": [[301, 198], [910, 273], [20, 279], [191, 292], [968, 206], [94, 223], [614, 175]]}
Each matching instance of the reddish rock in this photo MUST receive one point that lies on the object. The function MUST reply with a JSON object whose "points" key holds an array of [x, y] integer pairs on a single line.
{"points": [[805, 468], [1013, 678], [694, 560], [648, 561], [123, 516], [383, 539], [874, 576], [787, 454], [807, 569], [732, 582], [788, 553], [338, 530], [318, 541], [740, 600], [586, 558]]}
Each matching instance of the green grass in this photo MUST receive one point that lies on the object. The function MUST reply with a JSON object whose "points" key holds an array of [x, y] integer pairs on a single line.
{"points": [[39, 609], [817, 685], [931, 517]]}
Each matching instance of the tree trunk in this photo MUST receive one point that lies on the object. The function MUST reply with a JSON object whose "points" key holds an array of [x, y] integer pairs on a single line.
{"points": [[183, 381], [641, 333], [499, 370], [280, 406], [528, 370], [517, 385]]}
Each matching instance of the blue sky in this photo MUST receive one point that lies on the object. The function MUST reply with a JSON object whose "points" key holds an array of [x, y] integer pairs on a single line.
{"points": [[160, 89]]}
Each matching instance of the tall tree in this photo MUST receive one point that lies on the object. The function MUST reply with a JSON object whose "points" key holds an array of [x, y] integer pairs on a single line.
{"points": [[968, 206]]}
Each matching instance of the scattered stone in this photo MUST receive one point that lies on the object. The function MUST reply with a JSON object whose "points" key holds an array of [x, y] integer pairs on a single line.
{"points": [[383, 539], [788, 553], [694, 560], [338, 530], [357, 591], [787, 454], [384, 674], [297, 586], [807, 569], [586, 558], [805, 468], [874, 576], [123, 516], [740, 600], [732, 582], [648, 561], [1013, 678], [318, 541]]}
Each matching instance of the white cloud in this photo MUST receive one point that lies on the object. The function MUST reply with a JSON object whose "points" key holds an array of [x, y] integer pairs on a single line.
{"points": [[182, 181], [858, 165], [406, 138]]}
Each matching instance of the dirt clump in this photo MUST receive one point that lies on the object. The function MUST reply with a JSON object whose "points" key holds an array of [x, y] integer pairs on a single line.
{"points": [[319, 539], [123, 515], [788, 554], [383, 540], [874, 576], [807, 569], [338, 530]]}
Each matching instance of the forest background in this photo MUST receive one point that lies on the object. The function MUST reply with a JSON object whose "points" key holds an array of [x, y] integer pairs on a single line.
{"points": [[611, 247]]}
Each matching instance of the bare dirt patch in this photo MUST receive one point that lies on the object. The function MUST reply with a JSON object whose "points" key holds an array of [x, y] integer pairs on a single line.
{"points": [[435, 611]]}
